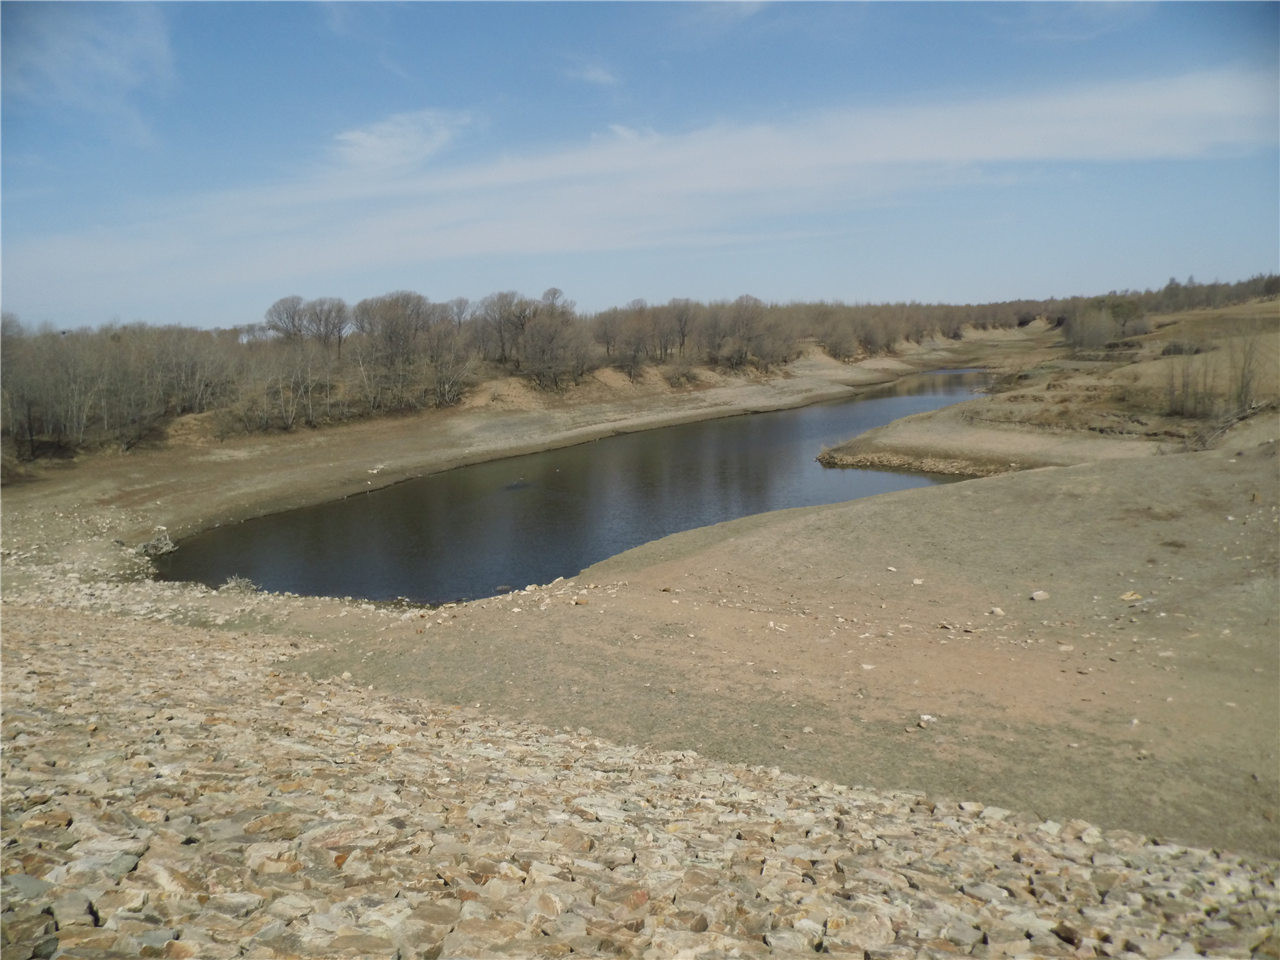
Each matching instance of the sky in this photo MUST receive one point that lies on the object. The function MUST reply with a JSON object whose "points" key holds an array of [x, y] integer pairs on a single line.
{"points": [[192, 163]]}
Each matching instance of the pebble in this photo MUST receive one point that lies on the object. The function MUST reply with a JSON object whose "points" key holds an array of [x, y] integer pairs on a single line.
{"points": [[170, 792]]}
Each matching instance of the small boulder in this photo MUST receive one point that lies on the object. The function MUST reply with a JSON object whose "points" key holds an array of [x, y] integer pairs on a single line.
{"points": [[158, 546]]}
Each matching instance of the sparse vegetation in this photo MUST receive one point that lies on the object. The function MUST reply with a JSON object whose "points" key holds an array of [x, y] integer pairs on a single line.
{"points": [[1190, 390], [316, 362], [1215, 381], [1091, 329], [1242, 367], [238, 584]]}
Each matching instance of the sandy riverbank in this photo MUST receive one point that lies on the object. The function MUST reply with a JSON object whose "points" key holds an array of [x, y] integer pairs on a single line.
{"points": [[950, 441], [1140, 694]]}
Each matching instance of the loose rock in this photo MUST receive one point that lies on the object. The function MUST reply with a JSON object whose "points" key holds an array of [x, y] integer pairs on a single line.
{"points": [[222, 808]]}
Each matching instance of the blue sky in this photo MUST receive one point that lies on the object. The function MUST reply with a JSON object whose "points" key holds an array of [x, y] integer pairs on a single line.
{"points": [[193, 162]]}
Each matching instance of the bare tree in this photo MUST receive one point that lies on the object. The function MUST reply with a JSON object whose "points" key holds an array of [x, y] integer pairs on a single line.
{"points": [[389, 354], [744, 317], [635, 338], [605, 328], [133, 386], [18, 393], [664, 333], [286, 319], [459, 311], [326, 320], [503, 318], [450, 366], [553, 342], [682, 314], [65, 389]]}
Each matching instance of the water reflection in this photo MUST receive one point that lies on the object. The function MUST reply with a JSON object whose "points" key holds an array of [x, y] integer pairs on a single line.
{"points": [[477, 530]]}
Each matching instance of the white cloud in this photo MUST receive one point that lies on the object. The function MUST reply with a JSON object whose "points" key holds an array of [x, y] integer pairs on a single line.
{"points": [[380, 203], [87, 59], [592, 73], [402, 142], [857, 151]]}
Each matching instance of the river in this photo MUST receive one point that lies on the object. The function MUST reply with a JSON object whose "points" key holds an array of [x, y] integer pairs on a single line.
{"points": [[488, 528]]}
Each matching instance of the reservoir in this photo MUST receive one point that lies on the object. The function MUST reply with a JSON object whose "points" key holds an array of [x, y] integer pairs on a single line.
{"points": [[489, 528]]}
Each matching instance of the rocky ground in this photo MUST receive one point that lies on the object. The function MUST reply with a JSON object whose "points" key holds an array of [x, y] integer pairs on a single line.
{"points": [[171, 792], [643, 760]]}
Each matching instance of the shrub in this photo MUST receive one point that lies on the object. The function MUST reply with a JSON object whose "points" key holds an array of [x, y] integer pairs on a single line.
{"points": [[1242, 373], [1090, 329], [679, 374], [1190, 389], [1139, 326]]}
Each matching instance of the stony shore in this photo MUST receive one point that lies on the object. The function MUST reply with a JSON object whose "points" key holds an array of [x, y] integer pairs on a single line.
{"points": [[170, 792]]}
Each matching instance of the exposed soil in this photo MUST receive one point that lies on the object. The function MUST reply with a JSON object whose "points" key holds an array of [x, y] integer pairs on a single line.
{"points": [[1140, 694], [890, 642]]}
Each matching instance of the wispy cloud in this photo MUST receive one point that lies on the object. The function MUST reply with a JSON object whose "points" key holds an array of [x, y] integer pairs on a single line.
{"points": [[1176, 117], [402, 142], [388, 195], [721, 14], [337, 17], [87, 59], [696, 26], [592, 73], [1077, 22], [363, 25]]}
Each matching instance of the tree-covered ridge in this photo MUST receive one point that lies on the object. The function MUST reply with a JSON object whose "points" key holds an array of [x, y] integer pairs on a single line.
{"points": [[319, 361]]}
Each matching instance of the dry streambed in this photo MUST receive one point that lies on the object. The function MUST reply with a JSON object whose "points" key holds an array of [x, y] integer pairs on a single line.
{"points": [[170, 792]]}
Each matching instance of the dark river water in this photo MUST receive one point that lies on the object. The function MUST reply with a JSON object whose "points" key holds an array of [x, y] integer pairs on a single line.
{"points": [[485, 529]]}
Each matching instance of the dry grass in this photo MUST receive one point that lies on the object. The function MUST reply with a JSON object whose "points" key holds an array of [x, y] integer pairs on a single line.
{"points": [[1197, 367]]}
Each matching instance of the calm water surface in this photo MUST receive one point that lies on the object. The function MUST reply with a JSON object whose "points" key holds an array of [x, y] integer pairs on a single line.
{"points": [[485, 529]]}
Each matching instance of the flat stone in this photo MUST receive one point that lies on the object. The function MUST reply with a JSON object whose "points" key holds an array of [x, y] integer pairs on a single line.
{"points": [[73, 909], [21, 886], [985, 891], [288, 816], [235, 904]]}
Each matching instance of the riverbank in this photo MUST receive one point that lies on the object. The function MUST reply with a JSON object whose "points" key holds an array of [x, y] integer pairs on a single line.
{"points": [[955, 441], [1094, 641], [196, 480], [1083, 644], [1067, 407]]}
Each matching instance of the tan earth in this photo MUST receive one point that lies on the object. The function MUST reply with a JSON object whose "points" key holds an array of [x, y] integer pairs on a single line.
{"points": [[892, 642]]}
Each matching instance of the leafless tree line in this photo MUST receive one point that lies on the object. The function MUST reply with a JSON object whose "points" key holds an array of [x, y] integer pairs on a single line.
{"points": [[65, 390], [312, 362]]}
